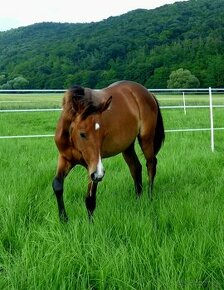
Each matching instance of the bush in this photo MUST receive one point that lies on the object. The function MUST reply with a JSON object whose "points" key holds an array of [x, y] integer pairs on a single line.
{"points": [[182, 78]]}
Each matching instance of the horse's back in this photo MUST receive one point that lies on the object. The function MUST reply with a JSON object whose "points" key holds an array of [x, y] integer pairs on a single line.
{"points": [[145, 106], [136, 100], [131, 90], [133, 110]]}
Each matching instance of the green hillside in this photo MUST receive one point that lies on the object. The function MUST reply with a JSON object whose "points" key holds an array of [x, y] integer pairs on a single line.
{"points": [[142, 45]]}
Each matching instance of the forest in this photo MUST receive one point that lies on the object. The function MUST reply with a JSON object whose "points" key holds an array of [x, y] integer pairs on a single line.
{"points": [[142, 45]]}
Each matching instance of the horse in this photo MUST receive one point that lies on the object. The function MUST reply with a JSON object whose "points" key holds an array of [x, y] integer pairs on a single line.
{"points": [[97, 124]]}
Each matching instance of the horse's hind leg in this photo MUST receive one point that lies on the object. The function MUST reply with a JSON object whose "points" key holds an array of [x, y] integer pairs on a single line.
{"points": [[151, 161], [62, 170], [135, 167]]}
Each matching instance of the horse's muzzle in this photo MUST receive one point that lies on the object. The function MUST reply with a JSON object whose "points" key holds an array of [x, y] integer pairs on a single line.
{"points": [[96, 177]]}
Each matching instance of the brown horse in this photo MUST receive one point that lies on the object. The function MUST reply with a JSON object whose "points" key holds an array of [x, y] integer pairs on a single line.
{"points": [[96, 124]]}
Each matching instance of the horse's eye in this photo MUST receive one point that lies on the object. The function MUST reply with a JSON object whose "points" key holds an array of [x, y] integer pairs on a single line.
{"points": [[83, 135]]}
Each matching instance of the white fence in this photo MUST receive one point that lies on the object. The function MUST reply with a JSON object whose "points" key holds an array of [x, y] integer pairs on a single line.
{"points": [[209, 90]]}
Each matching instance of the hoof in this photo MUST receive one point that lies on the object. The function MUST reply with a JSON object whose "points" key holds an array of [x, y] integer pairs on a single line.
{"points": [[63, 218]]}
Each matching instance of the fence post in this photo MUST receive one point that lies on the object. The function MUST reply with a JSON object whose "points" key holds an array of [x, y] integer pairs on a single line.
{"points": [[184, 103], [211, 119]]}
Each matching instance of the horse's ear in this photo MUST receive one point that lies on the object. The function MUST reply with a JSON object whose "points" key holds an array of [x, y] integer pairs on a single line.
{"points": [[90, 108], [104, 106]]}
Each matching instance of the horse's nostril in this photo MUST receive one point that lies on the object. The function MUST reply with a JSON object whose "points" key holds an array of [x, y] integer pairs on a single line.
{"points": [[95, 177]]}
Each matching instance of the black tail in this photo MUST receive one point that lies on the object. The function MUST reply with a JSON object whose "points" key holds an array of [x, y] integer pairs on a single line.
{"points": [[159, 133]]}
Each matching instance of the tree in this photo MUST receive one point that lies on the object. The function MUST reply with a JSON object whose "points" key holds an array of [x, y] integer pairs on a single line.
{"points": [[2, 79], [158, 79], [215, 75], [182, 78], [16, 83], [20, 83]]}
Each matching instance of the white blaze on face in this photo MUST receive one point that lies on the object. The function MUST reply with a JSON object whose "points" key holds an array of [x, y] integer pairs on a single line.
{"points": [[99, 173], [97, 126], [99, 168]]}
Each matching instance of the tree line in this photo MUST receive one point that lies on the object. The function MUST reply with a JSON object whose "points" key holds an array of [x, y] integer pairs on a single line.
{"points": [[147, 46]]}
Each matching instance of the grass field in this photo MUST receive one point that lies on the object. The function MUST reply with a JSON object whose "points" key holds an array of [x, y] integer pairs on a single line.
{"points": [[174, 242]]}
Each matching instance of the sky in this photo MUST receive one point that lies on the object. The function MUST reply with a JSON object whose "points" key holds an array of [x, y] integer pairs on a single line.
{"points": [[16, 13]]}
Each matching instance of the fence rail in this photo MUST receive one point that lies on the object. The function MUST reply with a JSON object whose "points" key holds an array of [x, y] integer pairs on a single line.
{"points": [[166, 131], [184, 107], [25, 91], [181, 90]]}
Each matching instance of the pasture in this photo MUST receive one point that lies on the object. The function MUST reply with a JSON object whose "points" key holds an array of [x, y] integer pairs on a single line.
{"points": [[174, 242]]}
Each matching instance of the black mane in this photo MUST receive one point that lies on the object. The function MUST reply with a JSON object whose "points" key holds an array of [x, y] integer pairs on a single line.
{"points": [[82, 102], [77, 91], [90, 109]]}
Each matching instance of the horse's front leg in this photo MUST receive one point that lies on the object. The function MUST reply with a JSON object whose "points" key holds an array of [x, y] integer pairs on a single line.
{"points": [[91, 198], [64, 166]]}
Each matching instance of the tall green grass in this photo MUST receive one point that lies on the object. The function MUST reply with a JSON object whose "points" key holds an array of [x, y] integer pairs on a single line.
{"points": [[174, 242]]}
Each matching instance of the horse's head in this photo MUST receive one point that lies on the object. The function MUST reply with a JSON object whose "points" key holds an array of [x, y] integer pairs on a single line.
{"points": [[86, 133]]}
